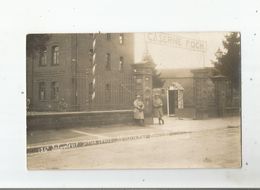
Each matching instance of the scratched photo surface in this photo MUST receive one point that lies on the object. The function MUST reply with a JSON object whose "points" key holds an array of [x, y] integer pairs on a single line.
{"points": [[133, 100]]}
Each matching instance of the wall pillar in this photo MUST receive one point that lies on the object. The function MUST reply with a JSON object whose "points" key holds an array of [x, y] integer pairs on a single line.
{"points": [[220, 94], [142, 73], [201, 92]]}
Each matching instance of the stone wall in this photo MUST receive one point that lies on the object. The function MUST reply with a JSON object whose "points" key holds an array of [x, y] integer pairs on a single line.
{"points": [[77, 119]]}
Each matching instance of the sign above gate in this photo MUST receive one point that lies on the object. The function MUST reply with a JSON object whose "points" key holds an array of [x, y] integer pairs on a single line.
{"points": [[173, 40]]}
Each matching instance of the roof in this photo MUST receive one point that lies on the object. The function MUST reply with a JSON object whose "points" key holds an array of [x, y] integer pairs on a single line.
{"points": [[175, 73]]}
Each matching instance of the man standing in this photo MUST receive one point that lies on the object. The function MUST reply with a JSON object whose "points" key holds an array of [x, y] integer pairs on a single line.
{"points": [[158, 108], [139, 110]]}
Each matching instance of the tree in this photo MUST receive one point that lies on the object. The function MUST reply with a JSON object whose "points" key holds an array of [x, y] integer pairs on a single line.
{"points": [[229, 60], [35, 42], [157, 81]]}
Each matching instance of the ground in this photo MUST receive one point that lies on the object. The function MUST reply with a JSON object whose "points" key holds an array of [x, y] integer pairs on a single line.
{"points": [[205, 144]]}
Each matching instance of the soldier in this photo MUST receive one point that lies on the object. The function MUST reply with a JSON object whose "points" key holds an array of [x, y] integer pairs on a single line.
{"points": [[157, 108], [139, 110]]}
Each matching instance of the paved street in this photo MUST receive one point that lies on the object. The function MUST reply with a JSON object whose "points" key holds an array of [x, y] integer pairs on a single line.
{"points": [[172, 124], [206, 144]]}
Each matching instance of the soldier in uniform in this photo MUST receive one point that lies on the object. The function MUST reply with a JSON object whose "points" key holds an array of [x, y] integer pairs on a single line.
{"points": [[139, 110], [158, 108]]}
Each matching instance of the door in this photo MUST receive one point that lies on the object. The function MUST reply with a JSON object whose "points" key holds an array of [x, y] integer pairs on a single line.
{"points": [[172, 103]]}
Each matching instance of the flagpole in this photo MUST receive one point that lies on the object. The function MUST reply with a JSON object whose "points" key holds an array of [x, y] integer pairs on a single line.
{"points": [[94, 67], [204, 54], [146, 51]]}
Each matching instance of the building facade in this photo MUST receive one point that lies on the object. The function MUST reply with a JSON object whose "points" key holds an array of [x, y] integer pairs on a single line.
{"points": [[62, 76]]}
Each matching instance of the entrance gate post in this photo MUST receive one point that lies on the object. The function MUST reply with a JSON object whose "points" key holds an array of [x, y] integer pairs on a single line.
{"points": [[142, 73], [201, 92], [220, 94]]}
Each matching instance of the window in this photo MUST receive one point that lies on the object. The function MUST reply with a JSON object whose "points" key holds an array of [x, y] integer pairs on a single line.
{"points": [[55, 55], [108, 62], [108, 36], [108, 92], [121, 39], [54, 90], [43, 57], [121, 64], [42, 91]]}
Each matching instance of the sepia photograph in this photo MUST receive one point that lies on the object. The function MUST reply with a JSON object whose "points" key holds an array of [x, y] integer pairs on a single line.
{"points": [[151, 100]]}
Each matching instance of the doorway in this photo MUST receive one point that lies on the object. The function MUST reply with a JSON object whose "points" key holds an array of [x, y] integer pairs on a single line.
{"points": [[172, 97]]}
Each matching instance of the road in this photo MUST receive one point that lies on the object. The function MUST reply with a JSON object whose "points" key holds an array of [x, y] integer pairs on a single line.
{"points": [[216, 148]]}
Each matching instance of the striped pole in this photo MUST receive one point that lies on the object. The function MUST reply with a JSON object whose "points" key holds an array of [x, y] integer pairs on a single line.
{"points": [[94, 67]]}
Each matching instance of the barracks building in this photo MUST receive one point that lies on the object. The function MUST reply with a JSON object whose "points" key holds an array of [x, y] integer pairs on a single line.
{"points": [[84, 71]]}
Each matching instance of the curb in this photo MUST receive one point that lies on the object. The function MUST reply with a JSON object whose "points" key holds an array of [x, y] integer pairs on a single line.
{"points": [[70, 145]]}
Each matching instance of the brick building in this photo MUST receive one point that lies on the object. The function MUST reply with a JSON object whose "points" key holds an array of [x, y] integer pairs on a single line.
{"points": [[64, 71]]}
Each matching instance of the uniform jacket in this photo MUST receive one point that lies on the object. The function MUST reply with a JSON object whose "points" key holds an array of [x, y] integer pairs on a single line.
{"points": [[138, 109]]}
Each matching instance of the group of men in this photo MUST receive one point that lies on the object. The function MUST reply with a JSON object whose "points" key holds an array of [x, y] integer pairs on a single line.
{"points": [[139, 109]]}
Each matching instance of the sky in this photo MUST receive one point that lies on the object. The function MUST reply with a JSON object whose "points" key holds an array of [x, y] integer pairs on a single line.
{"points": [[174, 52]]}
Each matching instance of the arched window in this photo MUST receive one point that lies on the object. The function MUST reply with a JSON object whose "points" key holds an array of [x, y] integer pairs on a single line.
{"points": [[121, 39], [43, 57], [42, 91], [55, 55]]}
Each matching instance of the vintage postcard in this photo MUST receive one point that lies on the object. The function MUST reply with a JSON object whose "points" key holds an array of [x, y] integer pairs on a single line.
{"points": [[133, 100]]}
